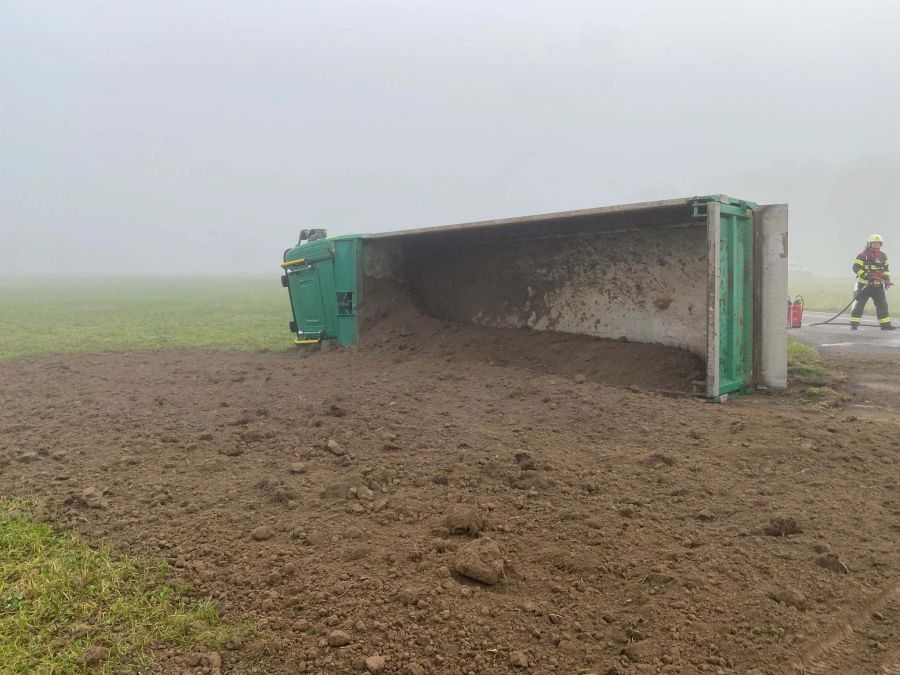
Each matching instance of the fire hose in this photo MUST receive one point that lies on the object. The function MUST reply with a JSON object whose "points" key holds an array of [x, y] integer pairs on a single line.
{"points": [[822, 323], [849, 304]]}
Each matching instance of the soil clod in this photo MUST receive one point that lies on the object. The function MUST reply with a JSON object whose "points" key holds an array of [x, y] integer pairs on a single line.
{"points": [[262, 533], [480, 560], [831, 562], [791, 597], [782, 527], [464, 519], [338, 638], [94, 655]]}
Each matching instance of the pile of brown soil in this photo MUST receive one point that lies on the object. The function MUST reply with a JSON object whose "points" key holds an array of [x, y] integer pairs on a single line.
{"points": [[394, 322]]}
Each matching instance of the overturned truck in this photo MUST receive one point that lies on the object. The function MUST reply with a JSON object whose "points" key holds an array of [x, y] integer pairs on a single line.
{"points": [[704, 274]]}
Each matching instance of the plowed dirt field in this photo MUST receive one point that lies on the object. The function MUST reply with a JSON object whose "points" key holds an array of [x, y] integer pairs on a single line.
{"points": [[335, 498]]}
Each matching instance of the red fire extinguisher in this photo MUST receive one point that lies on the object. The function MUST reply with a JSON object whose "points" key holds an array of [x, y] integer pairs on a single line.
{"points": [[795, 312]]}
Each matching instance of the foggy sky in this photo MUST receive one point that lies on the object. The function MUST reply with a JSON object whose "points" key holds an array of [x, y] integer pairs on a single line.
{"points": [[196, 137]]}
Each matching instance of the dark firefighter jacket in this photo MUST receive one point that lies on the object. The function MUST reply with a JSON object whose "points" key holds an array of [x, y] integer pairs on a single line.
{"points": [[871, 268]]}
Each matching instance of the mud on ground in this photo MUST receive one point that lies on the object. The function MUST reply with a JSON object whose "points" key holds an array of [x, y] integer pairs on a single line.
{"points": [[311, 492]]}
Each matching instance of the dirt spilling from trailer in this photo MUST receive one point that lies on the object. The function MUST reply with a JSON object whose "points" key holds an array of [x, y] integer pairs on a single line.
{"points": [[393, 322], [403, 511]]}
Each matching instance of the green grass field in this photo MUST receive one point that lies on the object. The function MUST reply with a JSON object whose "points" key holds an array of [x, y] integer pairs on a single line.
{"points": [[827, 295], [59, 598], [74, 315]]}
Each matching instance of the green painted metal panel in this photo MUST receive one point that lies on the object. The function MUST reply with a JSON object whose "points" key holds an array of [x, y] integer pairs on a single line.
{"points": [[311, 289], [735, 292], [728, 204], [736, 301], [346, 276], [322, 281], [307, 301], [325, 273]]}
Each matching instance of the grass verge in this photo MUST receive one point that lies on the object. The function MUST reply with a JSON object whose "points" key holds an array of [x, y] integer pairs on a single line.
{"points": [[805, 365], [59, 597], [823, 294], [40, 317]]}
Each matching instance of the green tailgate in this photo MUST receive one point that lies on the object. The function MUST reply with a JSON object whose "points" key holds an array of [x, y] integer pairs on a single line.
{"points": [[735, 292], [736, 300]]}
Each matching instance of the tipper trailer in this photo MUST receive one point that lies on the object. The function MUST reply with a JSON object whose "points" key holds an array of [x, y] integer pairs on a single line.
{"points": [[705, 274]]}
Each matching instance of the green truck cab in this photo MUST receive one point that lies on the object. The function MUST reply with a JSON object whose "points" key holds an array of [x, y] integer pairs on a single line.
{"points": [[321, 275]]}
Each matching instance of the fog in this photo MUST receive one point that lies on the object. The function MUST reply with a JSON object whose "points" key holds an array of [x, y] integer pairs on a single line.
{"points": [[196, 138]]}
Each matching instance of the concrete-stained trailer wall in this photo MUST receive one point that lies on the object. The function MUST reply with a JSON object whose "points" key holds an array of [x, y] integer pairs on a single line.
{"points": [[641, 272], [643, 285]]}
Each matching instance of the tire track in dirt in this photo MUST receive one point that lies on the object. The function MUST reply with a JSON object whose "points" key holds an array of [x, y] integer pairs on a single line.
{"points": [[848, 646]]}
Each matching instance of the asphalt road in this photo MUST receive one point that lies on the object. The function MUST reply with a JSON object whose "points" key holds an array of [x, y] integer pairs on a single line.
{"points": [[838, 336]]}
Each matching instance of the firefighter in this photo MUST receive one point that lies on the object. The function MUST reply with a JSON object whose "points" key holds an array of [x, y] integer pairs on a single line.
{"points": [[873, 276]]}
